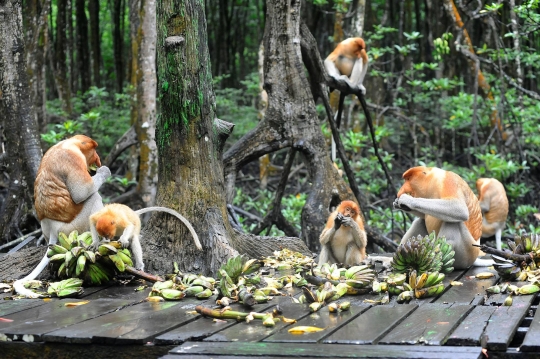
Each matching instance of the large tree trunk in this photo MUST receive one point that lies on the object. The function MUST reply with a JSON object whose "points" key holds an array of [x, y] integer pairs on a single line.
{"points": [[22, 144], [190, 140], [143, 79], [95, 43], [36, 40], [290, 121]]}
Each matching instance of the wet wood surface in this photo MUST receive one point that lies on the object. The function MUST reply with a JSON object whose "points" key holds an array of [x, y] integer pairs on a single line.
{"points": [[457, 323]]}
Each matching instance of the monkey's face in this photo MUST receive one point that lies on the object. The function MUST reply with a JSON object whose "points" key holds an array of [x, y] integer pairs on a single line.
{"points": [[348, 209], [106, 227], [415, 182]]}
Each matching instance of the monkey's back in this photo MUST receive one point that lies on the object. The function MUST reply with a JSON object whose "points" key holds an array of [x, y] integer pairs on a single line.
{"points": [[498, 202], [51, 196]]}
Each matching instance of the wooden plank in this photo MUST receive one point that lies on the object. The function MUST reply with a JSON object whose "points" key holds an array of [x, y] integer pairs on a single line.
{"points": [[204, 327], [430, 324], [8, 307], [372, 325], [106, 328], [505, 321], [32, 324], [255, 331], [120, 292], [470, 330], [264, 349], [321, 319], [531, 342], [473, 289]]}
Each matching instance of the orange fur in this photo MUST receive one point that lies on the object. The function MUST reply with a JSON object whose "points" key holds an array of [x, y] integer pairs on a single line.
{"points": [[347, 52], [424, 182], [493, 194], [348, 243], [67, 160], [113, 219]]}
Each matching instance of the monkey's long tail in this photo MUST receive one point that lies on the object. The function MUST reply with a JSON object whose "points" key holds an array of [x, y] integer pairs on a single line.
{"points": [[177, 215]]}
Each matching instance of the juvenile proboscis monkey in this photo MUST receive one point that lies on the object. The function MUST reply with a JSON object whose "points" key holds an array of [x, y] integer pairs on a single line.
{"points": [[65, 195], [343, 239], [494, 205], [118, 220], [444, 203], [349, 62]]}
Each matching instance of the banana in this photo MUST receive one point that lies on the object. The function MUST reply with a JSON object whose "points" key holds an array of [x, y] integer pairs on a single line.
{"points": [[118, 262], [91, 256], [163, 285], [106, 249], [81, 262], [73, 236], [203, 282], [85, 239], [70, 292], [412, 279], [58, 249], [193, 290], [125, 258], [64, 240], [434, 278], [528, 289], [356, 283], [58, 257], [429, 291], [172, 294], [405, 296], [76, 251], [207, 293]]}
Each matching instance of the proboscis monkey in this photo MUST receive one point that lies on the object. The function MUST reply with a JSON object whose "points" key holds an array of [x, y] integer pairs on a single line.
{"points": [[118, 220], [494, 205], [444, 203], [65, 195], [343, 239], [349, 62]]}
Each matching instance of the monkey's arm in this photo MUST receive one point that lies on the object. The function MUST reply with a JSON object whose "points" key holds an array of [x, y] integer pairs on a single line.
{"points": [[358, 74], [447, 210], [332, 225], [80, 189], [127, 235]]}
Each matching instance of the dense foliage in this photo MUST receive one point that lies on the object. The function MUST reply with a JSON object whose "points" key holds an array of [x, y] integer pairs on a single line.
{"points": [[428, 104]]}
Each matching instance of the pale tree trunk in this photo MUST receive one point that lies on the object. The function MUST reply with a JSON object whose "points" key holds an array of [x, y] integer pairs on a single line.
{"points": [[143, 79], [290, 122], [357, 23], [22, 145], [36, 40], [190, 139], [59, 66]]}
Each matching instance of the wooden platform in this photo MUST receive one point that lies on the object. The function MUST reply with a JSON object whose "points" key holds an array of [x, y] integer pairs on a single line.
{"points": [[118, 323]]}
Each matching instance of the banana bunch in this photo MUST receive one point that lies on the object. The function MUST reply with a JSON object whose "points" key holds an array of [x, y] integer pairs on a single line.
{"points": [[515, 270], [324, 294], [286, 259], [187, 285], [393, 284], [514, 289], [71, 287], [426, 284], [424, 254], [72, 258], [359, 277]]}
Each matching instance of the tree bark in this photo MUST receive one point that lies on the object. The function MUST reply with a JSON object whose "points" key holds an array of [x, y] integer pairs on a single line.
{"points": [[83, 53], [36, 39], [143, 53], [290, 121], [60, 69], [95, 43], [18, 120]]}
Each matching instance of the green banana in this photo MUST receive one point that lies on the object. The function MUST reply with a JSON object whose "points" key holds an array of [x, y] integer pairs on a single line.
{"points": [[207, 293], [81, 262], [193, 290], [172, 294]]}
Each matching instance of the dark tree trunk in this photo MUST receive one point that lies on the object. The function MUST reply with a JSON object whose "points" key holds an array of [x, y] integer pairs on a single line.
{"points": [[190, 140], [83, 56], [118, 43], [60, 67], [22, 144], [290, 121], [36, 44], [95, 43], [70, 49]]}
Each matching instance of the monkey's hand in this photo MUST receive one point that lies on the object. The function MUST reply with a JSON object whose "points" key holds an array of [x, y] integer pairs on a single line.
{"points": [[403, 203], [338, 221], [124, 240], [362, 89], [347, 221]]}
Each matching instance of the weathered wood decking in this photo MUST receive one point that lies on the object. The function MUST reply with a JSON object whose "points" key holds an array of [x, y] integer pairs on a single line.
{"points": [[117, 323]]}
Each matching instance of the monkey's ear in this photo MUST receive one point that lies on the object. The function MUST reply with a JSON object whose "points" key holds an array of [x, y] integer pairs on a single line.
{"points": [[113, 223]]}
